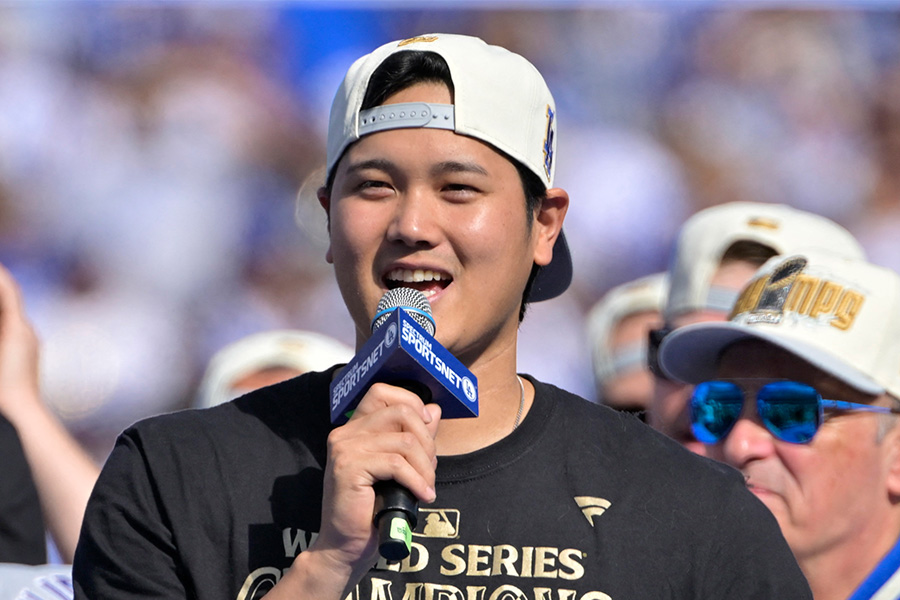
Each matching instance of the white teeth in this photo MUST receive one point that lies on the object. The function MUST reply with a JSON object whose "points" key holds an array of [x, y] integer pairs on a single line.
{"points": [[410, 276]]}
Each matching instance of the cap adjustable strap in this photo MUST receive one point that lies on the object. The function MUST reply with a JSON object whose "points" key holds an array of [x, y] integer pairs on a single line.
{"points": [[632, 357], [719, 298], [410, 114]]}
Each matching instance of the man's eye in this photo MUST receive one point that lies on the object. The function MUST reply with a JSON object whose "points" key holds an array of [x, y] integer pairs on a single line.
{"points": [[374, 187], [459, 189], [372, 184]]}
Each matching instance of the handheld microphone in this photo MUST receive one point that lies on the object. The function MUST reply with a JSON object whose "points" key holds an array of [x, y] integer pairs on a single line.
{"points": [[403, 352]]}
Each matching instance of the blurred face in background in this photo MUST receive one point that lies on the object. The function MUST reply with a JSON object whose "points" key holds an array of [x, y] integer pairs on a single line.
{"points": [[631, 388], [668, 411], [834, 495]]}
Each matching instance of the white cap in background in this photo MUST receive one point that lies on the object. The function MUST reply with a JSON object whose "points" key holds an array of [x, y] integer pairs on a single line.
{"points": [[645, 294], [706, 236], [284, 348], [839, 314]]}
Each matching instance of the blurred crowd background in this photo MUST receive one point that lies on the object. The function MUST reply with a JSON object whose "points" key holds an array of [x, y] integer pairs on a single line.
{"points": [[157, 163]]}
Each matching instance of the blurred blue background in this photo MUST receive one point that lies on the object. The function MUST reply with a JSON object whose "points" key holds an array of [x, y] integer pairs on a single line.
{"points": [[157, 159]]}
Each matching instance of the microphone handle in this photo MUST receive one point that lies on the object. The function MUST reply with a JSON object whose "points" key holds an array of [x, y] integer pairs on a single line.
{"points": [[396, 515], [396, 508]]}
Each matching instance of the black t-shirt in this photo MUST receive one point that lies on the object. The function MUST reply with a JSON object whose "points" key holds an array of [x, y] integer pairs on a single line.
{"points": [[580, 502], [22, 537]]}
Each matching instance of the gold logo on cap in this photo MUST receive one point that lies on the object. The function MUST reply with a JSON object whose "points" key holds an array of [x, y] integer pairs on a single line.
{"points": [[421, 38], [763, 222], [789, 289]]}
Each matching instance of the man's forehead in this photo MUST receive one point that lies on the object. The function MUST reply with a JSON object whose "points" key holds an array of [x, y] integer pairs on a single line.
{"points": [[765, 357], [436, 151], [763, 361]]}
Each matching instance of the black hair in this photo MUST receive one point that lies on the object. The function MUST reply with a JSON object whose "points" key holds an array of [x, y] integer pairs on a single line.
{"points": [[754, 253], [402, 70]]}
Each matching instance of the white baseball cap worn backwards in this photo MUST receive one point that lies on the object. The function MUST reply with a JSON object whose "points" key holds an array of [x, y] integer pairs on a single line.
{"points": [[839, 314], [499, 98]]}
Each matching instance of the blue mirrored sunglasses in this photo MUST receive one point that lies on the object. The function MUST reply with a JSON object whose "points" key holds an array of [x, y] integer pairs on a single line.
{"points": [[789, 410]]}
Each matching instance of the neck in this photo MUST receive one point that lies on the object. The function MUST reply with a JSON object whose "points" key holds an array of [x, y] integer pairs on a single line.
{"points": [[499, 398], [837, 571]]}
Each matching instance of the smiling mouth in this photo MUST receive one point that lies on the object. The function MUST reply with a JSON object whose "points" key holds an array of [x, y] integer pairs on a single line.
{"points": [[425, 280]]}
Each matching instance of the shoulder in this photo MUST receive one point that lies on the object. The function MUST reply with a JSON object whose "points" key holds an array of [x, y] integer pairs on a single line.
{"points": [[165, 458], [692, 507], [293, 409], [624, 450]]}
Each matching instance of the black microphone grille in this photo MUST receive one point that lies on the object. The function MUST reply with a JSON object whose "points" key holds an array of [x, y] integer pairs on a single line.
{"points": [[412, 301]]}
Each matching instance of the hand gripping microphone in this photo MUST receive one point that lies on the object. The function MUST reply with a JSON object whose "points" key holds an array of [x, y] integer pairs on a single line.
{"points": [[403, 352]]}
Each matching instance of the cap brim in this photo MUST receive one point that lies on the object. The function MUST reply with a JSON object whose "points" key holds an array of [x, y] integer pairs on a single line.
{"points": [[553, 279], [692, 353]]}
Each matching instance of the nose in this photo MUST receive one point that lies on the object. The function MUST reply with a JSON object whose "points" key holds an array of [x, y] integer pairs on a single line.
{"points": [[414, 221], [747, 441]]}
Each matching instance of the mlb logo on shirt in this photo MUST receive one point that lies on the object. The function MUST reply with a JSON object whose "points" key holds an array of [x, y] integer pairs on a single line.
{"points": [[438, 523]]}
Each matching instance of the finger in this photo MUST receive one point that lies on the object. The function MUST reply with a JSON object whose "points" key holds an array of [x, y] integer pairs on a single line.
{"points": [[401, 420], [14, 322], [383, 395], [386, 457], [435, 412], [392, 443], [393, 430], [10, 293], [403, 457]]}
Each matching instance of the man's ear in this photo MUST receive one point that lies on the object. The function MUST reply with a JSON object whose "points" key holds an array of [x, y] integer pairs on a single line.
{"points": [[325, 200], [891, 452], [548, 224]]}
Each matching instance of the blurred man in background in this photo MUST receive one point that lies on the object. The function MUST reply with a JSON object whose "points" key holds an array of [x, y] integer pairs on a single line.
{"points": [[800, 390], [717, 251], [618, 326]]}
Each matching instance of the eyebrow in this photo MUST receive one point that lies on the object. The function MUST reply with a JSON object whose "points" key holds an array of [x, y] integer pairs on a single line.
{"points": [[450, 166], [458, 167], [379, 164]]}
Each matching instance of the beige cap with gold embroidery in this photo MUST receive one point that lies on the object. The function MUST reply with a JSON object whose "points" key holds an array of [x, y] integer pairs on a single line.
{"points": [[706, 236], [839, 314]]}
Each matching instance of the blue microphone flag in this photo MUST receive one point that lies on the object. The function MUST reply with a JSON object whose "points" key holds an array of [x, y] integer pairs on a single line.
{"points": [[401, 350]]}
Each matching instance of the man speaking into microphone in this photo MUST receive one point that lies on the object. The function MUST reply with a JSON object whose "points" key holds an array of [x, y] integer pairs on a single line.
{"points": [[440, 177]]}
